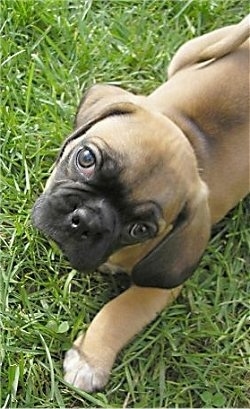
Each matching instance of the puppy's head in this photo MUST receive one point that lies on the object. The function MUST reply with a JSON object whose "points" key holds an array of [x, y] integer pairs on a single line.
{"points": [[126, 185]]}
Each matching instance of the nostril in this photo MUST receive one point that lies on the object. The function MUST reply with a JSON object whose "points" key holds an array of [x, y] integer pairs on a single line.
{"points": [[83, 224], [79, 224], [75, 221]]}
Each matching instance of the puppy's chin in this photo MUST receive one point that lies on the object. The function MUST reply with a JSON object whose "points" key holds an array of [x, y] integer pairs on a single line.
{"points": [[88, 255]]}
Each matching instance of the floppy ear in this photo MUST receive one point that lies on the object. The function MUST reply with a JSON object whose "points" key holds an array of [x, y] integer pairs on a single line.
{"points": [[100, 102], [96, 99], [174, 259]]}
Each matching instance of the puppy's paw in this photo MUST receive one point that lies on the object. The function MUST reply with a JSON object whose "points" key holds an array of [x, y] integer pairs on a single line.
{"points": [[79, 373]]}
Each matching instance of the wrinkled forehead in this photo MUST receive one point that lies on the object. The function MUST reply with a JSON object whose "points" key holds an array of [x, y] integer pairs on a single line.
{"points": [[148, 148], [142, 135], [132, 137], [152, 152]]}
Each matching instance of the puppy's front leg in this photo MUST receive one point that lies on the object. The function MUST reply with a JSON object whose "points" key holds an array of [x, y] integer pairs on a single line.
{"points": [[88, 364]]}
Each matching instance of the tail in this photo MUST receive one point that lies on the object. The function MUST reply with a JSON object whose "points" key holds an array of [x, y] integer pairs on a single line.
{"points": [[210, 46]]}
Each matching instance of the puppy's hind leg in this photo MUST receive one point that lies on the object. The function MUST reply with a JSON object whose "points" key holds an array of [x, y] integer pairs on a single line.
{"points": [[88, 364]]}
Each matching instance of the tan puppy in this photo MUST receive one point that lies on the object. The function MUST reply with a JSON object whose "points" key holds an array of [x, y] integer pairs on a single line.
{"points": [[141, 181]]}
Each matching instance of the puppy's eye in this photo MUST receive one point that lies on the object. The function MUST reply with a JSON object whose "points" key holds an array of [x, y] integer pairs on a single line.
{"points": [[86, 161], [86, 158], [140, 231]]}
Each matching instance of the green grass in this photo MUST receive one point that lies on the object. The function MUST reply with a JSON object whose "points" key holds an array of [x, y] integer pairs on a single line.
{"points": [[196, 353]]}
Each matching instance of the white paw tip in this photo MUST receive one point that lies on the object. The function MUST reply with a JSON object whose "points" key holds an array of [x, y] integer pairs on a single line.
{"points": [[79, 373]]}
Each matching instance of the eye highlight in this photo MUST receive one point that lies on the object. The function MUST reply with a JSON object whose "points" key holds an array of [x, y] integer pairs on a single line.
{"points": [[140, 231], [86, 158]]}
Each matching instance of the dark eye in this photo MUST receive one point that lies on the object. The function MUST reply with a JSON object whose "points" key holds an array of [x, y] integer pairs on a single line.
{"points": [[86, 158], [139, 231]]}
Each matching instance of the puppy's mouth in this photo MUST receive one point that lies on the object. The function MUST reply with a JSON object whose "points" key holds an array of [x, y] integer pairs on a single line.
{"points": [[85, 228]]}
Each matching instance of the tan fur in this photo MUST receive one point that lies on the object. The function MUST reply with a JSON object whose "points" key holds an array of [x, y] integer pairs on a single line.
{"points": [[115, 325], [187, 117]]}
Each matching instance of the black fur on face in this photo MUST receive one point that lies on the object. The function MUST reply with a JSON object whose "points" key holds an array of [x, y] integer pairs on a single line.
{"points": [[90, 218]]}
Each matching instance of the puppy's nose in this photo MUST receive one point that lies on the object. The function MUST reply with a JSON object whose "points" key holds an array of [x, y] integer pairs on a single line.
{"points": [[85, 223]]}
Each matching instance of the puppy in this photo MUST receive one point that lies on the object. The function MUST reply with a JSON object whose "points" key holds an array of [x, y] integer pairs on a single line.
{"points": [[140, 182]]}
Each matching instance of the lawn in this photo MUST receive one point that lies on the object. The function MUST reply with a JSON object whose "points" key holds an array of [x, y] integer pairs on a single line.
{"points": [[196, 353]]}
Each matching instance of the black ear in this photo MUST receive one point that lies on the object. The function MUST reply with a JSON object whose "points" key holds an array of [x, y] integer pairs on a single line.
{"points": [[174, 259]]}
